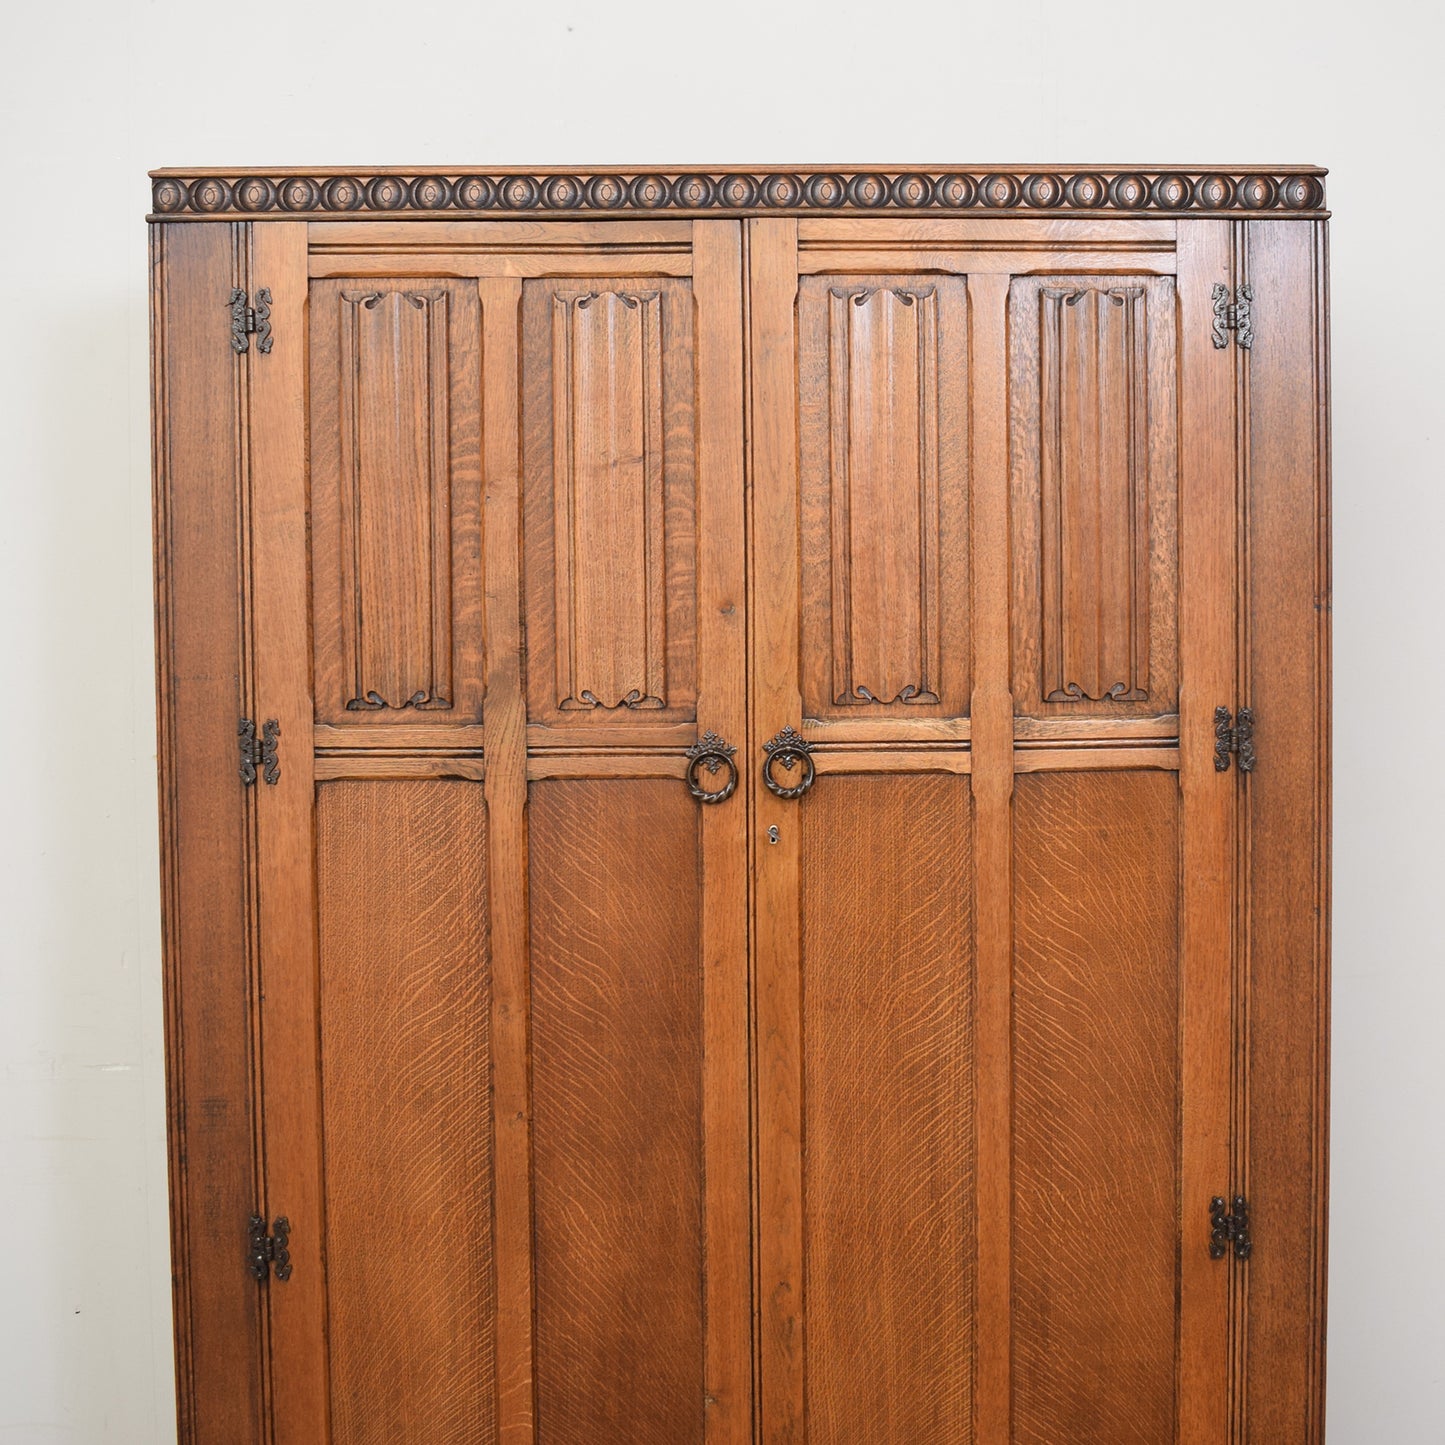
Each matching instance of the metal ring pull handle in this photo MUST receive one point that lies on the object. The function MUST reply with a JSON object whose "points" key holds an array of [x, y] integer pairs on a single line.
{"points": [[710, 754], [788, 750]]}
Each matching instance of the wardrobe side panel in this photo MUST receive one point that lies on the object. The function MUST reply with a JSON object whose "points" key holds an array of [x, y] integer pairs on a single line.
{"points": [[1288, 808], [204, 828]]}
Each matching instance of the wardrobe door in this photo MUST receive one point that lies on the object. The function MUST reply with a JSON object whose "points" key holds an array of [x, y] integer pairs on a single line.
{"points": [[994, 887], [497, 506]]}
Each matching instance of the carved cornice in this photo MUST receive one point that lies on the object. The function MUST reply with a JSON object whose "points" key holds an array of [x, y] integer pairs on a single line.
{"points": [[1297, 191]]}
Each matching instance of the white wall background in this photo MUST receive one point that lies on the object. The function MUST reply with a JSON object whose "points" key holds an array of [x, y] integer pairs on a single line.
{"points": [[96, 93]]}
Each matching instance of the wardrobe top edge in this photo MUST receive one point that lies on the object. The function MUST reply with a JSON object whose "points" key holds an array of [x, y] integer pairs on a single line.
{"points": [[602, 192]]}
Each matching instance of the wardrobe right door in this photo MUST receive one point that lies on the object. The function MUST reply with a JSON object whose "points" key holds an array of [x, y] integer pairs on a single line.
{"points": [[992, 550]]}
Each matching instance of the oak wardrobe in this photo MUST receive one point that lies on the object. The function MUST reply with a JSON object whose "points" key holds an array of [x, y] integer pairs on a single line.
{"points": [[743, 761]]}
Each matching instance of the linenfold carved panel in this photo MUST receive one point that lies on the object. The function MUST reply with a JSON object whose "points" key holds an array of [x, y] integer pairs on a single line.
{"points": [[396, 528], [1094, 524], [608, 480], [607, 471], [882, 407]]}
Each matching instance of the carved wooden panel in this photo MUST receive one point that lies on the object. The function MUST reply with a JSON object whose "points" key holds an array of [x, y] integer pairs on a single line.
{"points": [[888, 1163], [396, 501], [883, 391], [609, 484], [1094, 495], [1096, 1108], [617, 1057], [407, 1129]]}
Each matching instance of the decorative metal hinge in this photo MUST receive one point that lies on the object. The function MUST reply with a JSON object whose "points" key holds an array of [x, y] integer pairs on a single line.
{"points": [[1233, 316], [266, 1252], [1228, 1230], [248, 320], [1236, 740], [260, 753]]}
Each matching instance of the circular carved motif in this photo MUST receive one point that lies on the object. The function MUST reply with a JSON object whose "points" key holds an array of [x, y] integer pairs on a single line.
{"points": [[911, 191], [343, 193], [868, 190], [1213, 193], [1128, 192], [562, 193], [824, 190], [1042, 192], [693, 193], [739, 191], [1170, 192], [167, 196], [606, 192], [955, 191], [387, 193], [210, 195], [1302, 193], [255, 193], [1257, 193], [782, 191], [475, 193], [1167, 192], [648, 193], [519, 193], [431, 193], [999, 191], [1086, 190], [298, 193]]}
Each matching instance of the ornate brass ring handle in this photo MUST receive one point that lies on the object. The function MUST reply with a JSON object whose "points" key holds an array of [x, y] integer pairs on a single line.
{"points": [[788, 750], [710, 754]]}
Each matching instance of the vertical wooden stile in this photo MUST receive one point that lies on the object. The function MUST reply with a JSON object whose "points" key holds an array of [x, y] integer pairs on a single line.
{"points": [[291, 1079], [1207, 680], [775, 704], [505, 747], [992, 777], [722, 708]]}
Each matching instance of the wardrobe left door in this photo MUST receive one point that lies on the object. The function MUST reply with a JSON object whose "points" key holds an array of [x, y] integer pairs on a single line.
{"points": [[499, 1028]]}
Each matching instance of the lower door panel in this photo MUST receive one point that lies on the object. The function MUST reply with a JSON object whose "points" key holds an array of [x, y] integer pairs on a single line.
{"points": [[887, 989]]}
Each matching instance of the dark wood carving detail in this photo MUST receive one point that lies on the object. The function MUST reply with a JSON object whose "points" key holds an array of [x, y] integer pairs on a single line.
{"points": [[405, 333], [607, 435], [1095, 493], [1016, 190], [883, 425]]}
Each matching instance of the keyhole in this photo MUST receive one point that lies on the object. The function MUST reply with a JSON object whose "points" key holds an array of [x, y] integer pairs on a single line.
{"points": [[773, 834]]}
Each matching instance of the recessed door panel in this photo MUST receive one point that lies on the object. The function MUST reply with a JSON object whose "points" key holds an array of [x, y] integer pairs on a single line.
{"points": [[1095, 525], [1096, 1061], [610, 496], [883, 492], [617, 1081], [405, 1002], [396, 502], [888, 1127]]}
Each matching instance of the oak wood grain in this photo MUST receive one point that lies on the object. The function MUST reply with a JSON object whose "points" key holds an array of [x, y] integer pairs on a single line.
{"points": [[883, 497], [617, 1028], [723, 614], [205, 838], [1288, 810], [1094, 509], [396, 502], [1096, 1108], [888, 1132], [405, 998], [1023, 981], [609, 467], [992, 710], [1209, 402], [506, 795], [290, 1079]]}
